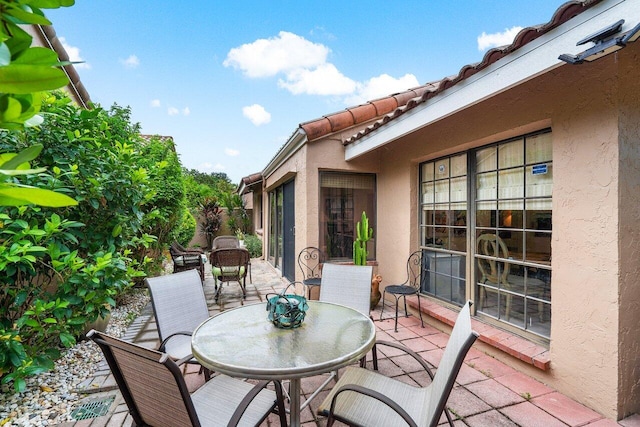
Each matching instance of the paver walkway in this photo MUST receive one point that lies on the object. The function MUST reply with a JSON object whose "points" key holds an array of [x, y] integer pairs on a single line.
{"points": [[487, 392]]}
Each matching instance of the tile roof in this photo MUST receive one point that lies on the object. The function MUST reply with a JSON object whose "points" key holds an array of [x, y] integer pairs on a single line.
{"points": [[352, 116], [564, 13]]}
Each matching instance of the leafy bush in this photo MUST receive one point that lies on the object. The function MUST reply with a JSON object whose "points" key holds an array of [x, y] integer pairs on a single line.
{"points": [[186, 228], [253, 245]]}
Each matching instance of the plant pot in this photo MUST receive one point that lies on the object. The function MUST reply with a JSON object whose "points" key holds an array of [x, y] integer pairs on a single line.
{"points": [[375, 291]]}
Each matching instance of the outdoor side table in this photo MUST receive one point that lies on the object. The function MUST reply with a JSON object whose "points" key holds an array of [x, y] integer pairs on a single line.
{"points": [[241, 342]]}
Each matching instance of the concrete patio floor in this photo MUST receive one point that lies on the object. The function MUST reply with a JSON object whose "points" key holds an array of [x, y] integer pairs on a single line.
{"points": [[487, 392]]}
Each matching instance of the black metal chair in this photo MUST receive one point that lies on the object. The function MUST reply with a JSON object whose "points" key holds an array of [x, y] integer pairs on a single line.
{"points": [[310, 261], [409, 287]]}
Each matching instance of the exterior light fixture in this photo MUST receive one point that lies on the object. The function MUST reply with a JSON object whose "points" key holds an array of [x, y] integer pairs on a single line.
{"points": [[605, 43]]}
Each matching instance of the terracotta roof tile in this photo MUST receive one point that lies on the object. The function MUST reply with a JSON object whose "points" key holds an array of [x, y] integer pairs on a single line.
{"points": [[565, 12]]}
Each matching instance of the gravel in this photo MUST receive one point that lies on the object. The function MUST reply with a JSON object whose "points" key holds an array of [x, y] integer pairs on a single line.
{"points": [[50, 397]]}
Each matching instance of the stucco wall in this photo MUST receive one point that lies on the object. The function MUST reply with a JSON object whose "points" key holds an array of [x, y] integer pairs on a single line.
{"points": [[595, 232], [629, 244]]}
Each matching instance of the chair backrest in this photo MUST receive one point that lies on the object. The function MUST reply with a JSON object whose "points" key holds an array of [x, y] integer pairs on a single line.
{"points": [[230, 263], [461, 339], [414, 269], [222, 242], [178, 301], [150, 382], [310, 261], [492, 270], [349, 285]]}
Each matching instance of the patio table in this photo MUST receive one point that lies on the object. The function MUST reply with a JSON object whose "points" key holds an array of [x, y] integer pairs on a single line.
{"points": [[242, 342]]}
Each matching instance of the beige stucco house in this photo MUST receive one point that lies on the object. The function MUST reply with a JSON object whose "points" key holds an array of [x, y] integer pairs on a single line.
{"points": [[518, 178]]}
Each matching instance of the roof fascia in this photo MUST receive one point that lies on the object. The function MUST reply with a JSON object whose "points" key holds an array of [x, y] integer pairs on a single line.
{"points": [[533, 59], [295, 142]]}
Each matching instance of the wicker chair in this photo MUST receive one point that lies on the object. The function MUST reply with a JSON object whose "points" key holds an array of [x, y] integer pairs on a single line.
{"points": [[230, 265], [157, 395], [368, 398], [223, 242], [186, 259], [179, 306], [411, 286]]}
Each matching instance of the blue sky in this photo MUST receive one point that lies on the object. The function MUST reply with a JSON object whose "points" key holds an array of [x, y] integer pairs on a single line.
{"points": [[231, 81]]}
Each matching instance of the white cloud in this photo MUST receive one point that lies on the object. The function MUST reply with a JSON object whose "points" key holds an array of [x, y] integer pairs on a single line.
{"points": [[268, 57], [257, 114], [74, 55], [488, 41], [209, 167], [131, 62], [323, 80], [155, 103], [231, 152], [302, 68], [383, 85], [186, 111], [173, 111]]}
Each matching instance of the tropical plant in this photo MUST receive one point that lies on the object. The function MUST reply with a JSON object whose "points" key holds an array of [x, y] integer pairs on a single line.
{"points": [[363, 235], [211, 219]]}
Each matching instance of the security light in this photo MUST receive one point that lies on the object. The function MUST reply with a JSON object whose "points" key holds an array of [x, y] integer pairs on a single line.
{"points": [[604, 43]]}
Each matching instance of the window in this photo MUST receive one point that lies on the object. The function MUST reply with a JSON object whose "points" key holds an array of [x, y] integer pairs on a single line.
{"points": [[509, 185], [343, 198], [443, 228]]}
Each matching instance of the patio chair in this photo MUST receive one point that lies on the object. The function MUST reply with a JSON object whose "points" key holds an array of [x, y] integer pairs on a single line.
{"points": [[222, 242], [368, 398], [498, 274], [157, 395], [411, 286], [179, 306], [350, 285], [310, 261], [230, 265], [186, 259]]}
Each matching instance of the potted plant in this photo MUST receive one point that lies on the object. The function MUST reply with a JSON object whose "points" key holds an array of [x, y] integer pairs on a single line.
{"points": [[360, 253], [240, 236]]}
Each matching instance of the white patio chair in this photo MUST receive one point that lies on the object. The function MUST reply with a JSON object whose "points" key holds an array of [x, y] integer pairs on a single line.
{"points": [[368, 398], [179, 306]]}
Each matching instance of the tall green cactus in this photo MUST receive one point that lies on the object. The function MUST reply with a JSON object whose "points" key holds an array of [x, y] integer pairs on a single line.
{"points": [[363, 233]]}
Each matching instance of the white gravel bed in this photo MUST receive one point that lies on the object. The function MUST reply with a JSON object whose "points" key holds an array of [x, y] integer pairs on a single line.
{"points": [[50, 397]]}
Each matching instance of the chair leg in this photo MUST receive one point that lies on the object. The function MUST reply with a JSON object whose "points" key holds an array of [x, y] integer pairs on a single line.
{"points": [[374, 354], [384, 293], [397, 303], [280, 403], [420, 310]]}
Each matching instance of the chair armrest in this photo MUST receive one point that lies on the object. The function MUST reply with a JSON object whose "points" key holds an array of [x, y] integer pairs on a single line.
{"points": [[164, 341], [245, 402], [374, 395], [410, 352]]}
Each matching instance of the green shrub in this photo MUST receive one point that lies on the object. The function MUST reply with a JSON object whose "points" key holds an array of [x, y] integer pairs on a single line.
{"points": [[186, 228], [253, 245]]}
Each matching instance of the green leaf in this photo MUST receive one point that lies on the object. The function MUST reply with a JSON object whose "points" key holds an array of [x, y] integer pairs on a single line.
{"points": [[51, 4], [67, 339], [24, 156], [37, 56], [14, 196], [26, 16], [21, 78]]}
